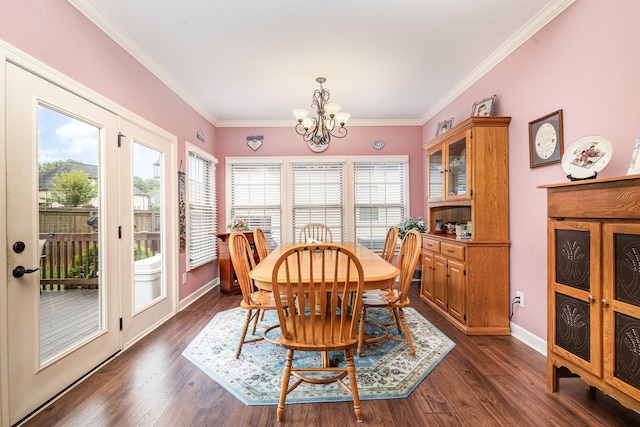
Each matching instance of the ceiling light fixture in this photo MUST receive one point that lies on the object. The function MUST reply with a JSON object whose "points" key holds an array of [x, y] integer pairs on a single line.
{"points": [[317, 131]]}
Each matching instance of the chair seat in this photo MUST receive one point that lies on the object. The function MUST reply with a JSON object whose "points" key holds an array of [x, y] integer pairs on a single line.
{"points": [[384, 298], [261, 301]]}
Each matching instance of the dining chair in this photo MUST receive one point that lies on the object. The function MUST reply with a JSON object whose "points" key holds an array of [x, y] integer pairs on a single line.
{"points": [[315, 233], [260, 240], [322, 320], [390, 242], [396, 297], [254, 301]]}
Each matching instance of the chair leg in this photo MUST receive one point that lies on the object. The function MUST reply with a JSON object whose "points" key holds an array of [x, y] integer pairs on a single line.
{"points": [[243, 334], [284, 390], [361, 327], [255, 321], [407, 332], [353, 383]]}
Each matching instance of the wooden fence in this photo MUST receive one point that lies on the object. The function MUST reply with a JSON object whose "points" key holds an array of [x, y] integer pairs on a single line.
{"points": [[70, 260]]}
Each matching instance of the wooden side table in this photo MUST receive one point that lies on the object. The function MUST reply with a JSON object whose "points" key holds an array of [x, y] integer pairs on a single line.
{"points": [[228, 283]]}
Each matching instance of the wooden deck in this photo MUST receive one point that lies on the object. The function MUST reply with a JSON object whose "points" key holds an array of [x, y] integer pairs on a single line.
{"points": [[66, 318]]}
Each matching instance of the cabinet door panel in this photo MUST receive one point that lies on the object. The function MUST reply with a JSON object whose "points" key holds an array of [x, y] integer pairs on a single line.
{"points": [[457, 290], [575, 313], [435, 166], [457, 171], [621, 284], [427, 275], [440, 281]]}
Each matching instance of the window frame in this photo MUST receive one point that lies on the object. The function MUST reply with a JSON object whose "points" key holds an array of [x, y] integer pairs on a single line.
{"points": [[206, 236], [287, 223]]}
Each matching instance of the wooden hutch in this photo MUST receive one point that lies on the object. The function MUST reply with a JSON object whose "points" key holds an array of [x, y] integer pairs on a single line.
{"points": [[467, 281]]}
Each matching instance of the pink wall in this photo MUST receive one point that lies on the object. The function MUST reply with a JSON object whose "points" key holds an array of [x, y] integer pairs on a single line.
{"points": [[586, 63], [286, 142], [55, 33]]}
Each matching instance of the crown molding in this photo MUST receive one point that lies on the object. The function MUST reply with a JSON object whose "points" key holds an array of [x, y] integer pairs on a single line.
{"points": [[535, 24]]}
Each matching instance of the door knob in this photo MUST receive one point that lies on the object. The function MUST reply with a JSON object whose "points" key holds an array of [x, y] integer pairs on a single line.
{"points": [[20, 271]]}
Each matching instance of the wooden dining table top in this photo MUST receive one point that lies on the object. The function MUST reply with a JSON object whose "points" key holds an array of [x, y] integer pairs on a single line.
{"points": [[378, 273]]}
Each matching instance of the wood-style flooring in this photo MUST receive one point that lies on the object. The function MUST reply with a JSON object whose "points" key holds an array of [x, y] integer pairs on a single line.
{"points": [[483, 381]]}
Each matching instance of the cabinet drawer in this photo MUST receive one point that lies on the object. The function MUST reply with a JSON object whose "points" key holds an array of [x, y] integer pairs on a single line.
{"points": [[430, 244], [452, 251]]}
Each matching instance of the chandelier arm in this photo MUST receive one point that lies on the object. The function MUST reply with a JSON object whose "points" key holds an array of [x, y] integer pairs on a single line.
{"points": [[341, 132]]}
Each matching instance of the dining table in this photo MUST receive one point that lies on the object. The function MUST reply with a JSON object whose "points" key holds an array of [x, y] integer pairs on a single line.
{"points": [[378, 273]]}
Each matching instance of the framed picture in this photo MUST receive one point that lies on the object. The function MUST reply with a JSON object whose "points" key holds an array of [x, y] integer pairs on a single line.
{"points": [[634, 164], [444, 126], [485, 107], [546, 143]]}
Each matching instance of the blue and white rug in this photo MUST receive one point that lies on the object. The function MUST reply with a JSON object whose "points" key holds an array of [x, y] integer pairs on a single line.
{"points": [[386, 370]]}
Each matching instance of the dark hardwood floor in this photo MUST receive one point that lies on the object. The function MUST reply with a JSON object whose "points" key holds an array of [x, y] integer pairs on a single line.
{"points": [[483, 381]]}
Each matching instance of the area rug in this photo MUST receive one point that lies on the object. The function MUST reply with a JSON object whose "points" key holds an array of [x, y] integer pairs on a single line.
{"points": [[386, 370]]}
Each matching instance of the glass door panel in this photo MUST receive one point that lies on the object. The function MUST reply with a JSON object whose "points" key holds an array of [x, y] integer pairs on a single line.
{"points": [[436, 171], [147, 220], [457, 168], [69, 202]]}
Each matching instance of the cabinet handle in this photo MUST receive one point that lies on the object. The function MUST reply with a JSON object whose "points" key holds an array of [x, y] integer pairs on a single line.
{"points": [[605, 303], [591, 299]]}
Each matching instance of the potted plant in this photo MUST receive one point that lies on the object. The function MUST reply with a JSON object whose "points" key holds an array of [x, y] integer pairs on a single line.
{"points": [[237, 224], [410, 223]]}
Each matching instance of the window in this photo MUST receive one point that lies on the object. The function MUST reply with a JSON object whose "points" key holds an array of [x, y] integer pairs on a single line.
{"points": [[202, 207], [359, 198], [380, 199], [318, 196], [254, 190]]}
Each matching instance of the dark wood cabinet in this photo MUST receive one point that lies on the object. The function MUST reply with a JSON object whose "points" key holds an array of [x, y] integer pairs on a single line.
{"points": [[228, 283], [594, 285]]}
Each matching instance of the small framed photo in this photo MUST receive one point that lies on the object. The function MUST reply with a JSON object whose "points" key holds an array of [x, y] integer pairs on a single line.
{"points": [[485, 107], [444, 126], [634, 164], [546, 141]]}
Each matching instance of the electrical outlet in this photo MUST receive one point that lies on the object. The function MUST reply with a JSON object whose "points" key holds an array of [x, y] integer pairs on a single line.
{"points": [[520, 298], [184, 278]]}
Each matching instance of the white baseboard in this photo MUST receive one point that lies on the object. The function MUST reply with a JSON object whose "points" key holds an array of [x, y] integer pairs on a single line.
{"points": [[197, 294], [533, 341]]}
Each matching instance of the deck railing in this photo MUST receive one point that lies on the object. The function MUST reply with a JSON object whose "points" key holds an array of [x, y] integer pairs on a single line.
{"points": [[70, 260]]}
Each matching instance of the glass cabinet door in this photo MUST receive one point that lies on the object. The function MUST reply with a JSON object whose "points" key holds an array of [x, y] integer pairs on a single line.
{"points": [[436, 172], [457, 169]]}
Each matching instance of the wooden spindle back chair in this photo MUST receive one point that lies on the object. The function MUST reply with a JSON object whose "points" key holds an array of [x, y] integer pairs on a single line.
{"points": [[260, 240], [315, 233], [253, 300], [327, 283], [395, 298], [390, 242]]}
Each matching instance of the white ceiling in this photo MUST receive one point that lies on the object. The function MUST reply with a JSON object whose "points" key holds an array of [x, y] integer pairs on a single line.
{"points": [[250, 62]]}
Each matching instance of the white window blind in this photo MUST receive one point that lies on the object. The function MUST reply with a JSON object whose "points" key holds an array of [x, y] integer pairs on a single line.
{"points": [[202, 209], [318, 196], [380, 200], [256, 197]]}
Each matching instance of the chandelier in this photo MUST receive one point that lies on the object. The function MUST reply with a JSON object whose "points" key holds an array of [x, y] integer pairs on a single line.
{"points": [[317, 131]]}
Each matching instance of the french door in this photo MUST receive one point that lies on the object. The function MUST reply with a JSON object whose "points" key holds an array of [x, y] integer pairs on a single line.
{"points": [[49, 346], [90, 232]]}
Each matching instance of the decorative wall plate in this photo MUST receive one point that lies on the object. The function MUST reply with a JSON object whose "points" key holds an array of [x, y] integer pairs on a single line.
{"points": [[587, 156], [378, 144]]}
